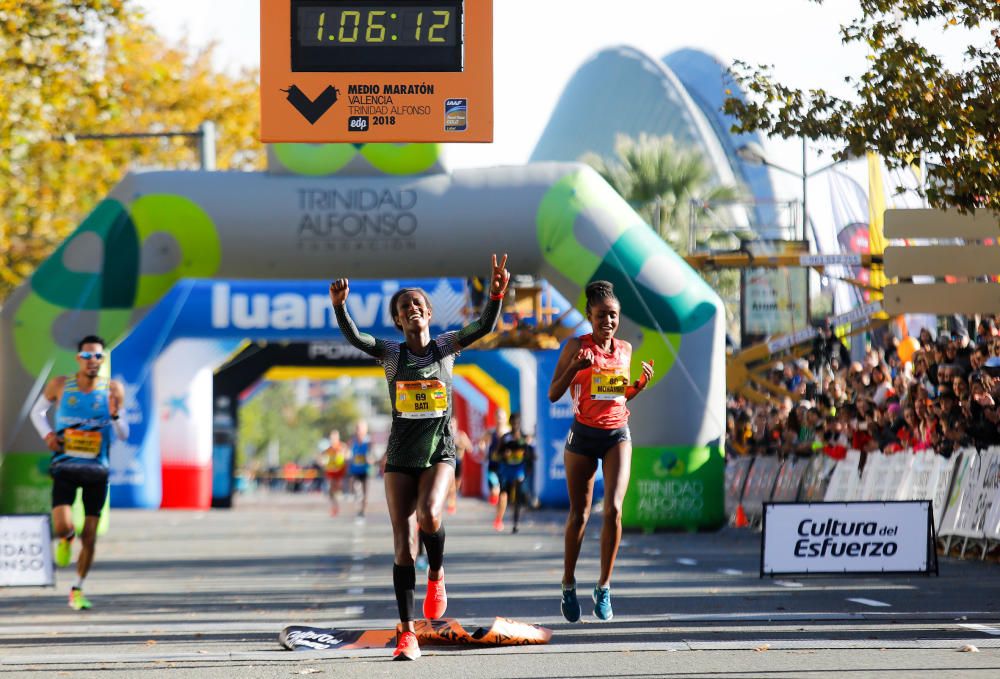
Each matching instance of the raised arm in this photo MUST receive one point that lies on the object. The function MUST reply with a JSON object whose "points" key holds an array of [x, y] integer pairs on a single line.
{"points": [[572, 359], [363, 341], [491, 310]]}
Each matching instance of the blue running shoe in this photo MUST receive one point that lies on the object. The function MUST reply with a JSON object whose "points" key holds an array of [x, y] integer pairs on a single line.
{"points": [[602, 603], [570, 605]]}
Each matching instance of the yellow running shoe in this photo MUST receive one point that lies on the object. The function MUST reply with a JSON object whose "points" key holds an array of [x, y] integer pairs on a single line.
{"points": [[63, 552], [77, 601]]}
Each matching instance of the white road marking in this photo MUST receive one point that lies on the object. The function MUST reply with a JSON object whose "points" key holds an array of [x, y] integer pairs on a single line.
{"points": [[985, 629], [730, 571], [869, 602], [159, 654], [687, 562], [787, 583]]}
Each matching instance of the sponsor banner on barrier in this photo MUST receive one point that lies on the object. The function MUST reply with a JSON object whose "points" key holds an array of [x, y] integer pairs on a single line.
{"points": [[991, 528], [847, 537], [786, 488], [845, 482], [26, 551], [973, 489], [760, 484], [982, 483], [735, 478], [817, 478]]}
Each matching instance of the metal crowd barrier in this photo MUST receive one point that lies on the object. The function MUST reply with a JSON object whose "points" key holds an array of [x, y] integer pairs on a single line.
{"points": [[964, 489]]}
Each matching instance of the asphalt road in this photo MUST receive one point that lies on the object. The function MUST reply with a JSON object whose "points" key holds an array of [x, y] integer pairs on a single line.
{"points": [[196, 594]]}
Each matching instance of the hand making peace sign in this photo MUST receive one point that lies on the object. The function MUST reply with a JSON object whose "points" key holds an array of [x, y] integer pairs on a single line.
{"points": [[500, 277]]}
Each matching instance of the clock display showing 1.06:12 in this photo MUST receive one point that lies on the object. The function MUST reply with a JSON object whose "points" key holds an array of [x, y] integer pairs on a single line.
{"points": [[376, 26]]}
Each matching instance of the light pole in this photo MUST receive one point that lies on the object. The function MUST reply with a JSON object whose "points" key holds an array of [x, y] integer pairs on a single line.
{"points": [[754, 154], [205, 134]]}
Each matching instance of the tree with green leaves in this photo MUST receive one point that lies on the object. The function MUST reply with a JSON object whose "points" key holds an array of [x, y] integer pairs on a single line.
{"points": [[74, 67], [659, 179], [908, 104], [273, 416]]}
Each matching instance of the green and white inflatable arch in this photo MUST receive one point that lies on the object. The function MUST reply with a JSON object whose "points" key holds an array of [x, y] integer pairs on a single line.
{"points": [[381, 211]]}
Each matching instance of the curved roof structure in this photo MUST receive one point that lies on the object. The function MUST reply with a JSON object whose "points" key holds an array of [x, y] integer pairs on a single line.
{"points": [[622, 90], [706, 80]]}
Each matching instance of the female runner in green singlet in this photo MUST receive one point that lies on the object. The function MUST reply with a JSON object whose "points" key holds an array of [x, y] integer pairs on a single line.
{"points": [[420, 453]]}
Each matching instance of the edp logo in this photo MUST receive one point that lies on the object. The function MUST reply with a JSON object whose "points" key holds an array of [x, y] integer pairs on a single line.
{"points": [[357, 124]]}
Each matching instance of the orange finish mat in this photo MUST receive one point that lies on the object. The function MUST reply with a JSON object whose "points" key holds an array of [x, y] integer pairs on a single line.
{"points": [[445, 632]]}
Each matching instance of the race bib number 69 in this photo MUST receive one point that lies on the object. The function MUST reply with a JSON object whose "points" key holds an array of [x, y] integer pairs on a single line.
{"points": [[421, 399]]}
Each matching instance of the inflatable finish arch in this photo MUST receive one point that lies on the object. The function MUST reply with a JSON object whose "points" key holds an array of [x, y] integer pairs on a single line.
{"points": [[559, 221]]}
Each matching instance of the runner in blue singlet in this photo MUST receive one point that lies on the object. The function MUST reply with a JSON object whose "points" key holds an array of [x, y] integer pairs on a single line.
{"points": [[89, 410]]}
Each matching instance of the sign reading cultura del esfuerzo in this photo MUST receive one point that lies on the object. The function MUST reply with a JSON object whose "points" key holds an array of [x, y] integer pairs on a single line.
{"points": [[848, 537]]}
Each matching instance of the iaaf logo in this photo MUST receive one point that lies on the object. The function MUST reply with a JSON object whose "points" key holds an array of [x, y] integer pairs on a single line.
{"points": [[296, 311]]}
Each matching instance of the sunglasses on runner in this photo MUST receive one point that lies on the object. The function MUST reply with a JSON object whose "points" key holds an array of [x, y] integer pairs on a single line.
{"points": [[86, 355]]}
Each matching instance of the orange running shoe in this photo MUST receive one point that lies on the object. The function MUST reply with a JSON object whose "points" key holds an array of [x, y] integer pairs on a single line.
{"points": [[407, 647], [436, 601], [498, 525]]}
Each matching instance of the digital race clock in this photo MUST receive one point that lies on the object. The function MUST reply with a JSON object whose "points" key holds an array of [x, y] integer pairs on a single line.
{"points": [[363, 71], [363, 36]]}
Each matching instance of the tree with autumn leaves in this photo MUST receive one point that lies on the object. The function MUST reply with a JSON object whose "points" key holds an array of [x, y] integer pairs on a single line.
{"points": [[908, 104], [73, 67]]}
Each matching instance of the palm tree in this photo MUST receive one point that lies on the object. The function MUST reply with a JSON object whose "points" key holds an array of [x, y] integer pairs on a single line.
{"points": [[659, 179]]}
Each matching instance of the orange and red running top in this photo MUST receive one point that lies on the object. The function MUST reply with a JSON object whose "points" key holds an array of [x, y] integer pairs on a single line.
{"points": [[598, 391]]}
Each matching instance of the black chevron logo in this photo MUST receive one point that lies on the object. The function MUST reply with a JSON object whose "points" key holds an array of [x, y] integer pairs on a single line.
{"points": [[312, 109]]}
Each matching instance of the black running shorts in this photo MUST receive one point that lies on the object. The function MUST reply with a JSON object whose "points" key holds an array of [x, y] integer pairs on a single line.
{"points": [[94, 494], [593, 442]]}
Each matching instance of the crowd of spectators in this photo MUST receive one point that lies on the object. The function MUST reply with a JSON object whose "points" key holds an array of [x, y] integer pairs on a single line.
{"points": [[944, 398]]}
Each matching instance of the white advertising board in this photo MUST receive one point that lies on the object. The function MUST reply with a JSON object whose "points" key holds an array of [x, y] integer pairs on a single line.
{"points": [[26, 551], [847, 537]]}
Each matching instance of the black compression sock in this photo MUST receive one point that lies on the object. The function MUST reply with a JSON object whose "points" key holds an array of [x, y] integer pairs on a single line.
{"points": [[404, 581], [434, 544]]}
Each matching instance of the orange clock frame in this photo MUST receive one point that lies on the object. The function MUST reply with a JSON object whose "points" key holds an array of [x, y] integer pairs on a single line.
{"points": [[363, 107]]}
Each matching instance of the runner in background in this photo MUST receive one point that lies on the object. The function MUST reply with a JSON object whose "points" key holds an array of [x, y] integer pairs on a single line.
{"points": [[493, 455], [361, 461], [595, 369], [420, 454], [89, 409], [513, 452], [463, 444], [335, 462]]}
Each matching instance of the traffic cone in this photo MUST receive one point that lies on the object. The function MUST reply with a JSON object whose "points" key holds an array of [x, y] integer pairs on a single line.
{"points": [[741, 521]]}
